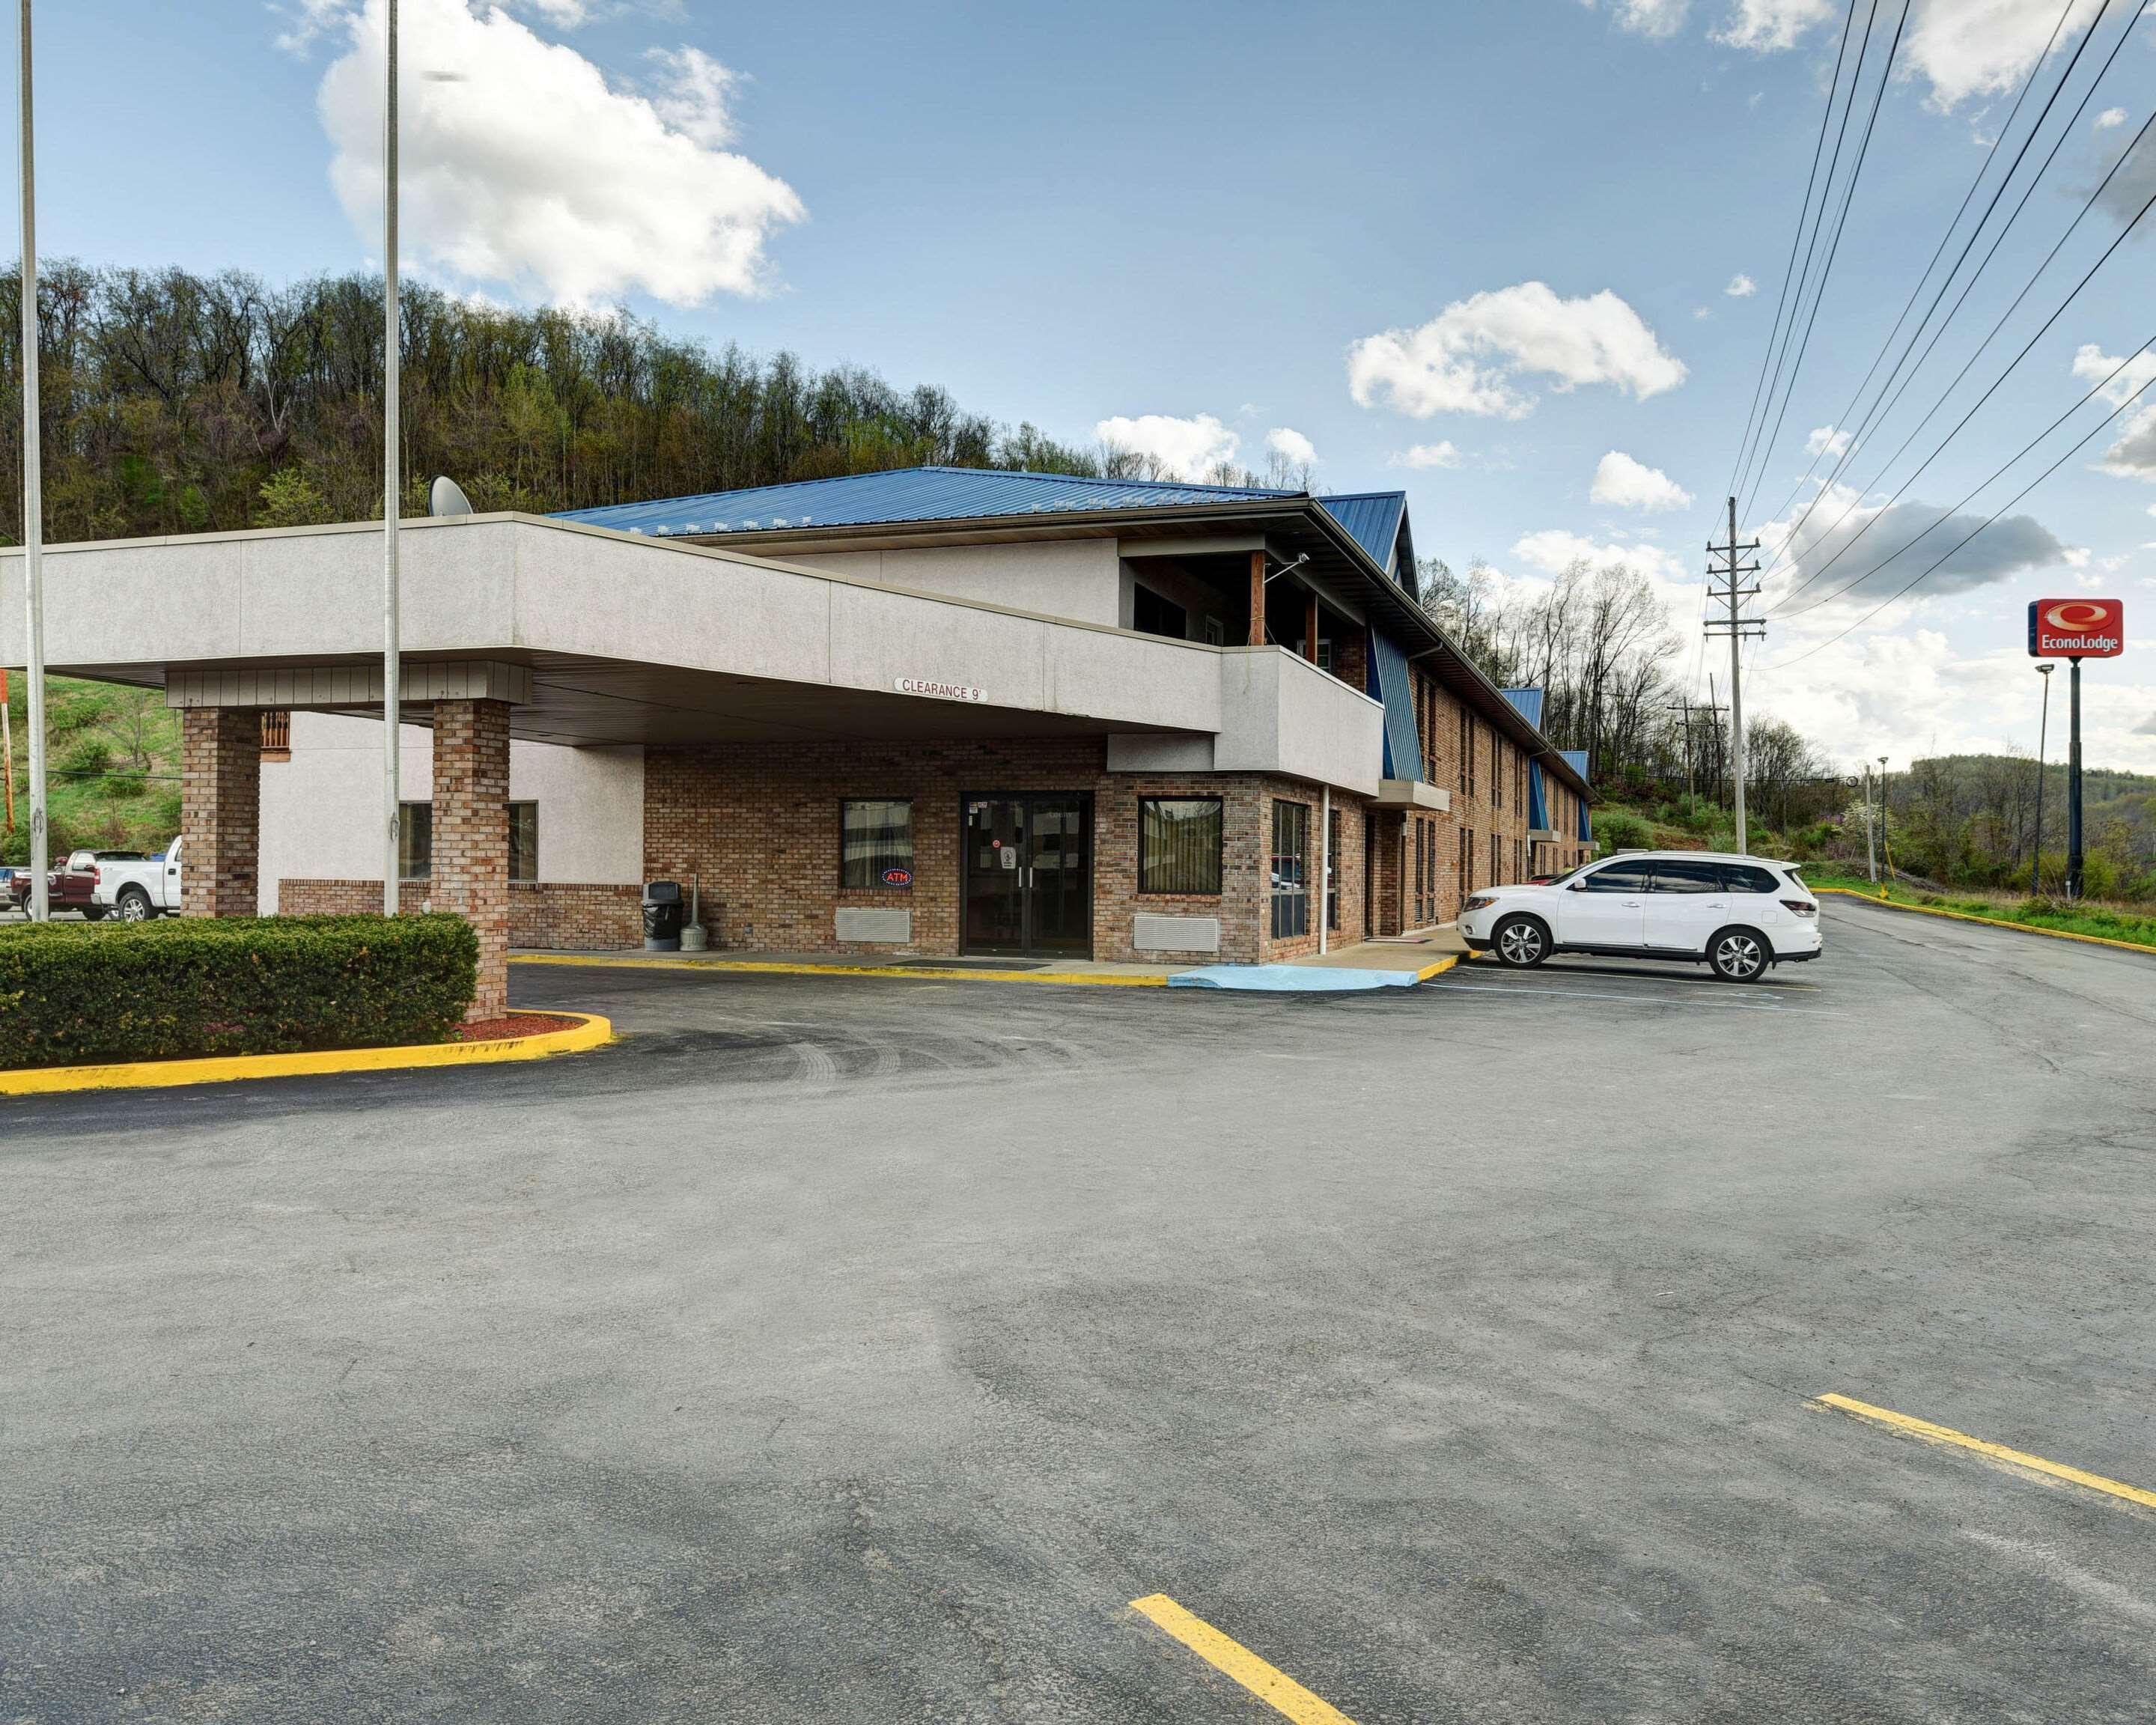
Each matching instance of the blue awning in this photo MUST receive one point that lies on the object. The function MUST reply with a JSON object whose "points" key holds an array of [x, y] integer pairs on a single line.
{"points": [[1538, 800], [1391, 684]]}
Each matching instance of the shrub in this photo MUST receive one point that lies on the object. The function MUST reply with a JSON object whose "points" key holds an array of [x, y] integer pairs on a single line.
{"points": [[76, 992], [1620, 829]]}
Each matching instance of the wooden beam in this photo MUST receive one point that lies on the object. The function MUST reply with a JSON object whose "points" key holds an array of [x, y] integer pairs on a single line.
{"points": [[1310, 626], [1258, 599]]}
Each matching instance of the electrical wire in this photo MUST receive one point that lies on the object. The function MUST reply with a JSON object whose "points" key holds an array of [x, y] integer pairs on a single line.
{"points": [[1840, 226], [1939, 251], [1796, 240], [1903, 591], [1882, 404], [2124, 233]]}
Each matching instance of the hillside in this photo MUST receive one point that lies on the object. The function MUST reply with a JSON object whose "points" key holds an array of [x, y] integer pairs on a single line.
{"points": [[112, 769]]}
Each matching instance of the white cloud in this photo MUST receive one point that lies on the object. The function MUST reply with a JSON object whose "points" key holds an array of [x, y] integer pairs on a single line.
{"points": [[1701, 313], [1741, 287], [2133, 453], [1829, 441], [2109, 118], [1624, 483], [1647, 18], [1292, 445], [1467, 359], [1189, 449], [524, 165], [1984, 48], [1769, 26], [1441, 454], [1554, 551]]}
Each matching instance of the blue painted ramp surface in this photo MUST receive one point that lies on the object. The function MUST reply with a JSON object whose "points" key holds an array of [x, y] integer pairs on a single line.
{"points": [[1289, 979]]}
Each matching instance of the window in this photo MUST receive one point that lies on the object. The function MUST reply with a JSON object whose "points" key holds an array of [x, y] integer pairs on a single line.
{"points": [[1216, 633], [1332, 871], [1618, 877], [1152, 615], [1497, 773], [1291, 870], [1497, 859], [415, 841], [876, 839], [1467, 752], [1743, 877], [277, 735], [1467, 861], [1179, 844], [1692, 877], [1519, 859], [524, 841]]}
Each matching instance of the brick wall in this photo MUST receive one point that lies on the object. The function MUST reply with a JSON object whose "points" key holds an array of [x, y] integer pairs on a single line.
{"points": [[339, 898], [758, 825], [220, 810], [471, 836], [563, 915]]}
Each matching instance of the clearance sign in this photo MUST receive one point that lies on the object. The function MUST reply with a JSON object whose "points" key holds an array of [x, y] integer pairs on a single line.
{"points": [[2077, 629]]}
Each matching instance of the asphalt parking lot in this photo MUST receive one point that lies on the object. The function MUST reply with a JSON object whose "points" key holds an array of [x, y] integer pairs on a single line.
{"points": [[857, 1350]]}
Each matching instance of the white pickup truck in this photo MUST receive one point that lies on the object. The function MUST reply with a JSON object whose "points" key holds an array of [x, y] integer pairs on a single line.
{"points": [[137, 891]]}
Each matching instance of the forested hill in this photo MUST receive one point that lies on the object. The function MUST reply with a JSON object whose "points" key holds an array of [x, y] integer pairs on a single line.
{"points": [[176, 403]]}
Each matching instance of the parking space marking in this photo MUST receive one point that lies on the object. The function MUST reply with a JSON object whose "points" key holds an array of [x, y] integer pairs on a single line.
{"points": [[1270, 1684], [1996, 1452], [1605, 994]]}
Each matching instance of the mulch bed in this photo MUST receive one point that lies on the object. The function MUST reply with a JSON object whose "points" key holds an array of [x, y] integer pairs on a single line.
{"points": [[517, 1024]]}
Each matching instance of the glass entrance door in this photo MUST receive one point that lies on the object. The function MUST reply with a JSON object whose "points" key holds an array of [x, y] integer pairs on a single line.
{"points": [[1028, 873]]}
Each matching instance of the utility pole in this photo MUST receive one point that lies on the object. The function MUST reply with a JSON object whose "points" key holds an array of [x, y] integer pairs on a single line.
{"points": [[1714, 710], [33, 503], [1682, 707], [2043, 726], [392, 679], [1885, 840], [1733, 594], [1871, 834]]}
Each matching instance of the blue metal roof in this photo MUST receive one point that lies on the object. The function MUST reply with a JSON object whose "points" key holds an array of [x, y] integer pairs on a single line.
{"points": [[1529, 704], [908, 494], [1373, 519], [1577, 760]]}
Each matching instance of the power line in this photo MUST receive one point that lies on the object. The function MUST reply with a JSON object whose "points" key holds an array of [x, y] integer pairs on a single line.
{"points": [[2075, 449], [1796, 240], [1841, 223], [1939, 251], [2124, 232], [1903, 550], [1882, 404]]}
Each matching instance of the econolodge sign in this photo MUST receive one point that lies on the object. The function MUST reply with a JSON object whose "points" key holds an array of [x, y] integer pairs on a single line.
{"points": [[2077, 629]]}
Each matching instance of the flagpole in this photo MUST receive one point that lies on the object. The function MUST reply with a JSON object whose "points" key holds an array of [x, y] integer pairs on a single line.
{"points": [[33, 500], [392, 702]]}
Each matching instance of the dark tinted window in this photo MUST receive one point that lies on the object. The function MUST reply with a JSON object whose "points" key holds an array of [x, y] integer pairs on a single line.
{"points": [[1151, 614], [1618, 877], [1743, 877], [1688, 877]]}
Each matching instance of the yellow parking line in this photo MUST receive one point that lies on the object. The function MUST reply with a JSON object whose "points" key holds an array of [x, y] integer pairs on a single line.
{"points": [[1273, 1686], [1997, 1452]]}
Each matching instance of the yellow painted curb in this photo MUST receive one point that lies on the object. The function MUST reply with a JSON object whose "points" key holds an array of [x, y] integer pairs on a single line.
{"points": [[1443, 965], [2057, 934], [589, 1031], [773, 966]]}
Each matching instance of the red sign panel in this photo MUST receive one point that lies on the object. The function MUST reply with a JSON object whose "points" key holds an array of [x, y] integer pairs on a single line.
{"points": [[2077, 629], [898, 877]]}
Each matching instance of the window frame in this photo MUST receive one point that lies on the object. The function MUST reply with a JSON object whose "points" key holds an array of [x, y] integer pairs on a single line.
{"points": [[407, 829], [1158, 597], [1219, 850], [911, 864], [1290, 905], [531, 859]]}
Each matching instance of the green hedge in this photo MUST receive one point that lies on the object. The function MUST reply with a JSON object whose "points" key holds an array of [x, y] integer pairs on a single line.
{"points": [[78, 992]]}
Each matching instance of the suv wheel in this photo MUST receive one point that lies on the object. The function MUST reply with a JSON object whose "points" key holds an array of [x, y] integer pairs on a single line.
{"points": [[1739, 955], [1520, 942], [134, 904]]}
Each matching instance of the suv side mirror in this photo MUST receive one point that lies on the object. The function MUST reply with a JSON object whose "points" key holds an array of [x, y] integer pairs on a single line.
{"points": [[1577, 887]]}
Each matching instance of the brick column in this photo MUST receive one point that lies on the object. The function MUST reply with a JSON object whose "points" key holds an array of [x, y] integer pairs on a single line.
{"points": [[220, 810], [471, 836]]}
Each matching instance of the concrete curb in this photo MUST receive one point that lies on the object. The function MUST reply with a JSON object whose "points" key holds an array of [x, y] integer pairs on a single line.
{"points": [[772, 966], [2057, 934], [590, 1031]]}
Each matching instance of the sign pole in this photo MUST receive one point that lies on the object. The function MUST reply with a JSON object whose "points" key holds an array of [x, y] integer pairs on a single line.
{"points": [[2074, 779], [34, 505], [2043, 739]]}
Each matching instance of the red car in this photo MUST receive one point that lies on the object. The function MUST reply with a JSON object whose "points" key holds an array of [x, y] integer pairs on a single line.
{"points": [[69, 887]]}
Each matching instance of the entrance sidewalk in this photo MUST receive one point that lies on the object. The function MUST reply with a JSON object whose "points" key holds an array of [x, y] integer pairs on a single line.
{"points": [[991, 969], [1417, 950]]}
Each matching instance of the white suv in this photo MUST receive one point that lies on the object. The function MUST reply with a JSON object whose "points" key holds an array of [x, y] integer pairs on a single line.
{"points": [[1737, 915]]}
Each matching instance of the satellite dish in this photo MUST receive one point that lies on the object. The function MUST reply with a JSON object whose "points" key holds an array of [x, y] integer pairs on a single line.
{"points": [[447, 497]]}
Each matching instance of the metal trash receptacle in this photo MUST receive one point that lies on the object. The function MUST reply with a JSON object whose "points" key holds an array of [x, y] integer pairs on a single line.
{"points": [[662, 916]]}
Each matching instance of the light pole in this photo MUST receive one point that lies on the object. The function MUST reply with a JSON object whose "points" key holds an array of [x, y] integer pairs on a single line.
{"points": [[391, 692], [34, 502], [2043, 727], [1886, 843], [1870, 833]]}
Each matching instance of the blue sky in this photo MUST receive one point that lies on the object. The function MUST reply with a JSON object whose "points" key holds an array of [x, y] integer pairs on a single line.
{"points": [[1214, 223]]}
